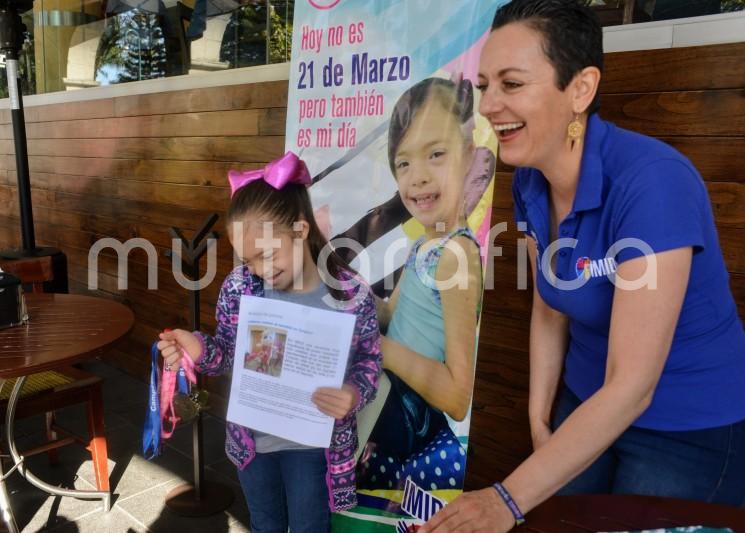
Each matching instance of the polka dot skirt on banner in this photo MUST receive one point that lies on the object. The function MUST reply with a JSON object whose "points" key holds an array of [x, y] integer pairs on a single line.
{"points": [[441, 465]]}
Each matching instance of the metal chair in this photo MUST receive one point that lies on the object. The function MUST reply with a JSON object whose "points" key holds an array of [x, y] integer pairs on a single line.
{"points": [[48, 391]]}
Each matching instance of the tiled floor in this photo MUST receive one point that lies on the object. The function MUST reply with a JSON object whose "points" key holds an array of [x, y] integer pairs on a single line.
{"points": [[139, 486]]}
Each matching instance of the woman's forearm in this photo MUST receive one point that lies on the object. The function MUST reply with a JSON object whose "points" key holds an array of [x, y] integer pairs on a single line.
{"points": [[549, 336], [641, 332], [581, 439]]}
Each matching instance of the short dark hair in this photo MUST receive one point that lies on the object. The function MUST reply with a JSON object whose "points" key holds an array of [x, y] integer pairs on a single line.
{"points": [[456, 98], [571, 31]]}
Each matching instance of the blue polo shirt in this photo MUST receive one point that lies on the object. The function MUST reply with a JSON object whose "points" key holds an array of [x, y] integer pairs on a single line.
{"points": [[645, 197]]}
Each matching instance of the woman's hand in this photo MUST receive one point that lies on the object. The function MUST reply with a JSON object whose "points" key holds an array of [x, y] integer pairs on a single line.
{"points": [[540, 432], [173, 343], [337, 403], [471, 512]]}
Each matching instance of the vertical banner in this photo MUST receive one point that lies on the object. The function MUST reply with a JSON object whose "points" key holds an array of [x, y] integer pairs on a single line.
{"points": [[382, 108]]}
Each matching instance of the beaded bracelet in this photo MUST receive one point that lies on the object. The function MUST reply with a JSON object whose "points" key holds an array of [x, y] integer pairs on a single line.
{"points": [[510, 503]]}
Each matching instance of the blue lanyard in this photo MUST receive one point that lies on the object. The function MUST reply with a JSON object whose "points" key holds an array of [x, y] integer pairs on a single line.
{"points": [[151, 434], [181, 383]]}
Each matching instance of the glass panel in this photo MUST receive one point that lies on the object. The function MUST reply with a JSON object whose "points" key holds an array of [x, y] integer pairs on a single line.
{"points": [[615, 12], [73, 44]]}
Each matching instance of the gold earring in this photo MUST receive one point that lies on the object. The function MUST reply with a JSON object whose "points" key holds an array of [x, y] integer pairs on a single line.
{"points": [[575, 130]]}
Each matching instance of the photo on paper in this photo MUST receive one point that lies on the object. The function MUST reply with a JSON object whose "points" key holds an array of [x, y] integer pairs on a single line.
{"points": [[266, 350]]}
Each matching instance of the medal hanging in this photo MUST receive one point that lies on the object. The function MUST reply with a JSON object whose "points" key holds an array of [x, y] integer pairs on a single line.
{"points": [[165, 407]]}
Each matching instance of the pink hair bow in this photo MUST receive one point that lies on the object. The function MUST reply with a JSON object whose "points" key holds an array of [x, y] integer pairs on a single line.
{"points": [[287, 169]]}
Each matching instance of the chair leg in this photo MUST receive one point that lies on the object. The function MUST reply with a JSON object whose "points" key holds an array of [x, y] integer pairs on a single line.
{"points": [[97, 445], [52, 454]]}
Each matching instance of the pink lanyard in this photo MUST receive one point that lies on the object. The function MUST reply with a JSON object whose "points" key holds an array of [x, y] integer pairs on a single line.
{"points": [[168, 389]]}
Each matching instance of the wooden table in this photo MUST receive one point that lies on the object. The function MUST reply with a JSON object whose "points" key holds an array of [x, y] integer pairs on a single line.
{"points": [[591, 513], [62, 329]]}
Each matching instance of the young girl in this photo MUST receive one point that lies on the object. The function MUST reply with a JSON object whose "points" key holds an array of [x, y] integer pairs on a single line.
{"points": [[432, 315], [285, 483]]}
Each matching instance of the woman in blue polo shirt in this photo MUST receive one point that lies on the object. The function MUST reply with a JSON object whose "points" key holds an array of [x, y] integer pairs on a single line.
{"points": [[631, 293]]}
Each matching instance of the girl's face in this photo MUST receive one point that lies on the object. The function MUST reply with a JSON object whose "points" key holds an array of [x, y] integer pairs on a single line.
{"points": [[275, 254], [520, 98], [430, 165]]}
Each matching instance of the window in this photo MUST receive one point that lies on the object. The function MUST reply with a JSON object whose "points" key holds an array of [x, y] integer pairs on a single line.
{"points": [[615, 12], [73, 44]]}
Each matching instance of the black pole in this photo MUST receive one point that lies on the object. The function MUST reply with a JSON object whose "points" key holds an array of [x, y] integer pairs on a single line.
{"points": [[197, 426], [202, 498], [11, 32]]}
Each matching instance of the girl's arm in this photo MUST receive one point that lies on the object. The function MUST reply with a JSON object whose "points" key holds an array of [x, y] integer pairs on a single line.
{"points": [[549, 336], [366, 360], [218, 351], [448, 386]]}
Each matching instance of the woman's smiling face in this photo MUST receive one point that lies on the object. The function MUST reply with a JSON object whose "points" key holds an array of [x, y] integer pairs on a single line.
{"points": [[520, 98], [430, 165]]}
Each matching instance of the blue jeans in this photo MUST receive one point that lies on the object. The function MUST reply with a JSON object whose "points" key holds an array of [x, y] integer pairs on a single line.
{"points": [[287, 488], [705, 465]]}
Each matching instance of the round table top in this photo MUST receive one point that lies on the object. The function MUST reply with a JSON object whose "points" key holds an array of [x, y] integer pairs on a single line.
{"points": [[589, 513], [62, 329]]}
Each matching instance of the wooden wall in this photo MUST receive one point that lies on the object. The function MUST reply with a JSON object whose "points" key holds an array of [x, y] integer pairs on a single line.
{"points": [[133, 166]]}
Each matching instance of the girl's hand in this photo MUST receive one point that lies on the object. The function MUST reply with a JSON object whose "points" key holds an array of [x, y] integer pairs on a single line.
{"points": [[540, 432], [173, 343], [337, 403]]}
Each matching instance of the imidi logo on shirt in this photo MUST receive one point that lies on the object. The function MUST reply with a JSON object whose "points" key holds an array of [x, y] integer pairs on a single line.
{"points": [[595, 268]]}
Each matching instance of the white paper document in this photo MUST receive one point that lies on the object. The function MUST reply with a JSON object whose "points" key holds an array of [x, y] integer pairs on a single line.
{"points": [[283, 353]]}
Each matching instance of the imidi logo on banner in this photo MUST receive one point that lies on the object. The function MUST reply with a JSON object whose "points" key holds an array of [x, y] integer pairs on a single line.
{"points": [[595, 268], [324, 4]]}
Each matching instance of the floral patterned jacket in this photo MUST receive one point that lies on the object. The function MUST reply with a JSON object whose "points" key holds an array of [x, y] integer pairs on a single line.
{"points": [[363, 370]]}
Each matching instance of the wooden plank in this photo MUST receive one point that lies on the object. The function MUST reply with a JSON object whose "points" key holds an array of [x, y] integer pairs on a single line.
{"points": [[86, 109], [502, 190], [10, 232], [159, 308], [194, 196], [156, 170], [250, 96], [684, 113], [728, 204], [675, 69], [245, 149], [208, 124], [121, 229], [732, 241], [135, 212], [272, 121], [716, 158], [69, 237], [737, 286]]}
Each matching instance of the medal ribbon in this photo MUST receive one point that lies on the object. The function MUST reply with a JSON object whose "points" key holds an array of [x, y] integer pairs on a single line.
{"points": [[151, 433], [161, 397], [168, 388]]}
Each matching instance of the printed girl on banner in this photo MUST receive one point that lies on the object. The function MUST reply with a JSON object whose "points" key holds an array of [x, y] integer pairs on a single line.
{"points": [[432, 315], [287, 484]]}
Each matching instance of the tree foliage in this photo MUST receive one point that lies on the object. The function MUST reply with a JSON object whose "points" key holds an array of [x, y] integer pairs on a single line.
{"points": [[132, 48]]}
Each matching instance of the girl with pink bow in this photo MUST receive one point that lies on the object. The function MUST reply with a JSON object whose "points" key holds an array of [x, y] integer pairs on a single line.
{"points": [[285, 483]]}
